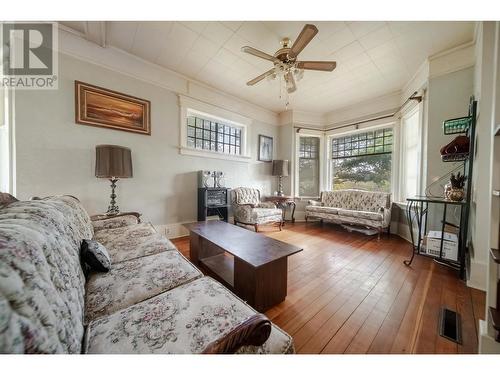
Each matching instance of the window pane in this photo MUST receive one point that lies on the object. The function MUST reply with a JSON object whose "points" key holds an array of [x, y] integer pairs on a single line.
{"points": [[309, 167], [410, 156], [367, 172], [208, 135]]}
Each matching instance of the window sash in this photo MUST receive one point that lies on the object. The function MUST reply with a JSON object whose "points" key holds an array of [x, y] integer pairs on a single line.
{"points": [[309, 162], [376, 142], [208, 135]]}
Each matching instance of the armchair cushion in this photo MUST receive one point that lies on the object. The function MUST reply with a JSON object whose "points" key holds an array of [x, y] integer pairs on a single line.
{"points": [[134, 281], [183, 320], [266, 205]]}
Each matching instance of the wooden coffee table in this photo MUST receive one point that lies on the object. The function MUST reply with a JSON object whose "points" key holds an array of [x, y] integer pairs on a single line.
{"points": [[250, 264]]}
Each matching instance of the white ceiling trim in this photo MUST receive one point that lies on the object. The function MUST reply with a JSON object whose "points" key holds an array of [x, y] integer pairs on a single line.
{"points": [[452, 60], [74, 44]]}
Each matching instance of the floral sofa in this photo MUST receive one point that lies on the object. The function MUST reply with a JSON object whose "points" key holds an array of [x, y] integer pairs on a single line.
{"points": [[249, 210], [152, 300], [351, 206]]}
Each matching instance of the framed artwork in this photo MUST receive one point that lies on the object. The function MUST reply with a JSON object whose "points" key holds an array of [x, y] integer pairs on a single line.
{"points": [[265, 148], [97, 106]]}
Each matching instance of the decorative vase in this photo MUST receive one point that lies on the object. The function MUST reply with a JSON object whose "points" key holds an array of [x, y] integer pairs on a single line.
{"points": [[456, 195]]}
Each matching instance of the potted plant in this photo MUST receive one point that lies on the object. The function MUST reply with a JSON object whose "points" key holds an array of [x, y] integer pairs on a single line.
{"points": [[456, 192]]}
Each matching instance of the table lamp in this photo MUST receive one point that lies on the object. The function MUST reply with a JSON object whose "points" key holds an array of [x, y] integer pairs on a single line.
{"points": [[280, 169], [113, 162]]}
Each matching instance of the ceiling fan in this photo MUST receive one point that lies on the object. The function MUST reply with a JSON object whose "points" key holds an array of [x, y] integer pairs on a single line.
{"points": [[285, 60]]}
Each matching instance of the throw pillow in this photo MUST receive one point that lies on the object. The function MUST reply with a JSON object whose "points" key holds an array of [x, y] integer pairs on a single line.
{"points": [[6, 199], [95, 255]]}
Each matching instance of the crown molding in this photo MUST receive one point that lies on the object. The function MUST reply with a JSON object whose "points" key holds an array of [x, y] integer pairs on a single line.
{"points": [[452, 60]]}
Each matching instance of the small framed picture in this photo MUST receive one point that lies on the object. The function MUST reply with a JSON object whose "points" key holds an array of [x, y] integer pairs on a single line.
{"points": [[265, 148]]}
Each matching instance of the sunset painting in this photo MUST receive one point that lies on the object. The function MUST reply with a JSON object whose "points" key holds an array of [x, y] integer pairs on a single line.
{"points": [[97, 106]]}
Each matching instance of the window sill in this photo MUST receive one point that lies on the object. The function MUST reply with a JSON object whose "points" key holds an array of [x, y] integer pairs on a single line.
{"points": [[213, 155]]}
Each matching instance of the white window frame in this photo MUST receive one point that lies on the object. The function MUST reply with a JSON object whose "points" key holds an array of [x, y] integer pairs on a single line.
{"points": [[401, 183], [7, 144], [320, 135], [189, 106], [364, 129]]}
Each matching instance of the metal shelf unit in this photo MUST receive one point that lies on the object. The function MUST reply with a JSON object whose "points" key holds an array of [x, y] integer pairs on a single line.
{"points": [[417, 208]]}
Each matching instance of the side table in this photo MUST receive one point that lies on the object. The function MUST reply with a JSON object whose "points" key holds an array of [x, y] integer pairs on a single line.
{"points": [[283, 202]]}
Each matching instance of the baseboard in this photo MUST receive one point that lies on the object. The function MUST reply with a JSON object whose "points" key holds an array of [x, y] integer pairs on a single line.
{"points": [[477, 275], [177, 230], [487, 344]]}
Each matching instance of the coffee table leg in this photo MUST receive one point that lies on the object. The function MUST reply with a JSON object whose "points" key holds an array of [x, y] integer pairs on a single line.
{"points": [[262, 287]]}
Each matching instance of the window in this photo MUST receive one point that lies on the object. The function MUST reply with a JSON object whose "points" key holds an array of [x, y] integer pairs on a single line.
{"points": [[410, 151], [362, 160], [5, 184], [309, 172], [203, 134]]}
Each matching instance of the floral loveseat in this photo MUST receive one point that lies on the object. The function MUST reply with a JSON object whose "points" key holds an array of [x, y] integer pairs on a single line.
{"points": [[351, 206], [152, 300], [249, 210]]}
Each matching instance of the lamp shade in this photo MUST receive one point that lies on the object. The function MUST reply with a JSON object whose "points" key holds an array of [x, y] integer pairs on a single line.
{"points": [[113, 161], [280, 167]]}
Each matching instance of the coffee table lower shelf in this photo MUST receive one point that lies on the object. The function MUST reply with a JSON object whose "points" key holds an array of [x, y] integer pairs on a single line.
{"points": [[221, 266]]}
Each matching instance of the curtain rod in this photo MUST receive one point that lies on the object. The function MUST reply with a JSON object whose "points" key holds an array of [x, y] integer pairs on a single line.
{"points": [[414, 96]]}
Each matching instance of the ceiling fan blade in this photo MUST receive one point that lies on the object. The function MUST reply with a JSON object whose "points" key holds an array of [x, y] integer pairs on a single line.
{"points": [[326, 66], [260, 78], [256, 52], [305, 36], [290, 83]]}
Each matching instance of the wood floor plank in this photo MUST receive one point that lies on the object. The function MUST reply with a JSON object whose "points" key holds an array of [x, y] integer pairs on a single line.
{"points": [[350, 293]]}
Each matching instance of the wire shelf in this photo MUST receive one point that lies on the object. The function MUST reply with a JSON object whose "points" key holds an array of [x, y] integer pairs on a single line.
{"points": [[455, 157], [457, 125]]}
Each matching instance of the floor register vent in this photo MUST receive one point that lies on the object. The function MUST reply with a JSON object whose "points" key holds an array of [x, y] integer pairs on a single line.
{"points": [[450, 325]]}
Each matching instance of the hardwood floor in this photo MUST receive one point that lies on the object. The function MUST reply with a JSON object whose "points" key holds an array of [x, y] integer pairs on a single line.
{"points": [[349, 293]]}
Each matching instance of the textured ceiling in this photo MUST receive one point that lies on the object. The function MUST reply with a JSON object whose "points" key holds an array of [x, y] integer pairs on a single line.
{"points": [[373, 58]]}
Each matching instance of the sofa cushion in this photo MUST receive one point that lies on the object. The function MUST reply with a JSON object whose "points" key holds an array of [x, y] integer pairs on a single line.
{"points": [[321, 210], [133, 241], [115, 222], [41, 280], [367, 215], [136, 280], [183, 320]]}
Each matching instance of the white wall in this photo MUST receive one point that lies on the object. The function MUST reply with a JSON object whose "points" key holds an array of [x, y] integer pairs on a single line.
{"points": [[56, 156]]}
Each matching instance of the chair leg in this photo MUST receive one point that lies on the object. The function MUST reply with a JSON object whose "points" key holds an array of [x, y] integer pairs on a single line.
{"points": [[256, 227], [306, 219], [378, 236], [281, 225], [389, 230]]}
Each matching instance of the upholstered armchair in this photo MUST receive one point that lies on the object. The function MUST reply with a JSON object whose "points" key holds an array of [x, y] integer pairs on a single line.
{"points": [[249, 210]]}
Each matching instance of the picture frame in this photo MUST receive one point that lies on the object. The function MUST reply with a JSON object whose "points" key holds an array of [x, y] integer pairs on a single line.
{"points": [[265, 148], [98, 106]]}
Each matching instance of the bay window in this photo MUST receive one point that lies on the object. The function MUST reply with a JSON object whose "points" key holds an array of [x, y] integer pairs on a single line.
{"points": [[362, 161]]}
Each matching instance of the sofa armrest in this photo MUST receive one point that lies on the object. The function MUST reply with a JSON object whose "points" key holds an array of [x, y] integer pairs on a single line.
{"points": [[387, 216], [266, 205], [253, 331], [312, 202], [100, 222]]}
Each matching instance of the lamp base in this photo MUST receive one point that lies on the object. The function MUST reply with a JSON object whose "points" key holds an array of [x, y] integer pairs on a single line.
{"points": [[280, 186], [113, 208]]}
